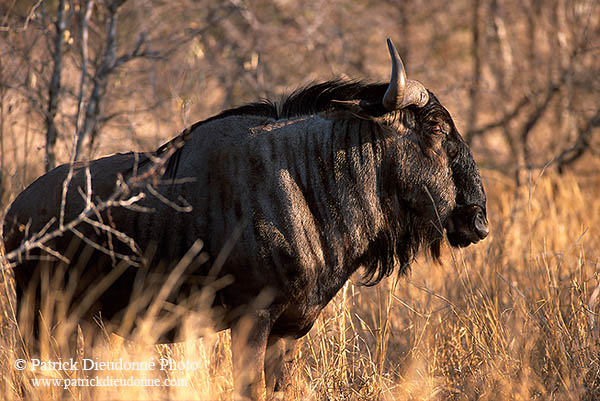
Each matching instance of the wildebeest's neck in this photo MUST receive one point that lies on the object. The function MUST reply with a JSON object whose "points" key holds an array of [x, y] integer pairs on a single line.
{"points": [[341, 212], [367, 173]]}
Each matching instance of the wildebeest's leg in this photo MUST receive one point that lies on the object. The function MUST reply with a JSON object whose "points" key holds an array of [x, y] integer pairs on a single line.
{"points": [[279, 360], [249, 338]]}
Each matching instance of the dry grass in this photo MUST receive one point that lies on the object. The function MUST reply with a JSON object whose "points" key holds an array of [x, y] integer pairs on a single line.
{"points": [[515, 317]]}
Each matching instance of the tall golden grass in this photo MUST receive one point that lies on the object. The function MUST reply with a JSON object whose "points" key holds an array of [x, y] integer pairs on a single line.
{"points": [[512, 318]]}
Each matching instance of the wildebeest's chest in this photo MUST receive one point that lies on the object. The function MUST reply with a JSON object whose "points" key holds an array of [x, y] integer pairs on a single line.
{"points": [[296, 320]]}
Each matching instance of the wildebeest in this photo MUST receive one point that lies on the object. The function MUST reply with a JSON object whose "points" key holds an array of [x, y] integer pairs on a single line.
{"points": [[289, 199]]}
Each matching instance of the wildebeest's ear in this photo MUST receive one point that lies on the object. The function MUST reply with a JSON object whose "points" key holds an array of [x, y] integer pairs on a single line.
{"points": [[361, 108]]}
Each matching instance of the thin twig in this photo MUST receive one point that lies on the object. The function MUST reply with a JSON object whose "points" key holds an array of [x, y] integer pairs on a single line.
{"points": [[30, 16]]}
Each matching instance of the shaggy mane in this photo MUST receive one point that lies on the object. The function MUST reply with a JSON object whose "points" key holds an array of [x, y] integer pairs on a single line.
{"points": [[308, 100]]}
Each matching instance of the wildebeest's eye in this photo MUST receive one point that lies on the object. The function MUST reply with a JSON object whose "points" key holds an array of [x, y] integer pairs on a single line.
{"points": [[437, 130]]}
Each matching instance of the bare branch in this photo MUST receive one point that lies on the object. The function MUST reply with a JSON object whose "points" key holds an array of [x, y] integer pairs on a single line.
{"points": [[108, 251], [30, 16], [120, 198], [136, 52], [84, 70], [504, 120], [54, 88], [186, 207], [100, 78], [53, 253], [84, 57], [582, 143], [108, 63], [30, 244], [533, 119], [475, 89]]}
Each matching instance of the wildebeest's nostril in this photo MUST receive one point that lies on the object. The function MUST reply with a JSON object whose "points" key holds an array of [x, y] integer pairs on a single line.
{"points": [[481, 225]]}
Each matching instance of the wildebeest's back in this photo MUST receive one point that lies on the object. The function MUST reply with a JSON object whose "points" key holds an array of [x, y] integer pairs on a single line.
{"points": [[40, 202]]}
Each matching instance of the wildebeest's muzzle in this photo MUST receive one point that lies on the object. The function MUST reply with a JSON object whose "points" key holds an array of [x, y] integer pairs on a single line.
{"points": [[467, 225]]}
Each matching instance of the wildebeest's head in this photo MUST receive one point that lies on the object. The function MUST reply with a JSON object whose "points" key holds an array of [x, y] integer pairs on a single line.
{"points": [[438, 180], [467, 222]]}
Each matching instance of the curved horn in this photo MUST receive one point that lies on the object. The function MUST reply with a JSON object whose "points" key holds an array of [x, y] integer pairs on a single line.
{"points": [[394, 95], [402, 92]]}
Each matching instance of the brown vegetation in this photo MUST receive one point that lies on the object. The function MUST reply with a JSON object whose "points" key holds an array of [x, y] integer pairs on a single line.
{"points": [[515, 317]]}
